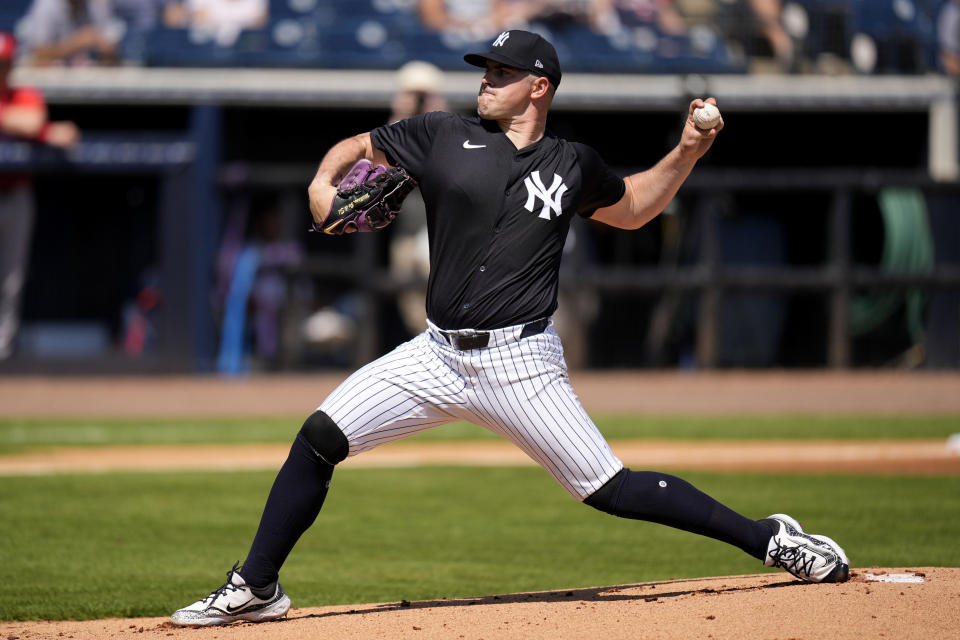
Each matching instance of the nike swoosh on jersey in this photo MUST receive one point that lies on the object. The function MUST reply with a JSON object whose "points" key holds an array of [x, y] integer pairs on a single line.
{"points": [[467, 145]]}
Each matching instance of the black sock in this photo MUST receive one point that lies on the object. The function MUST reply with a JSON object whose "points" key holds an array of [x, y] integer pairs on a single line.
{"points": [[293, 505], [265, 593], [669, 500]]}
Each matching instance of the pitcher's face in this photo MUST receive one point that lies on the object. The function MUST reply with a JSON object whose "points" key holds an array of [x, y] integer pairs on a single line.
{"points": [[504, 91]]}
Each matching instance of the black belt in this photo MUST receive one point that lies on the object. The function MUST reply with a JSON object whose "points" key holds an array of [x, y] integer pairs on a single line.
{"points": [[465, 341]]}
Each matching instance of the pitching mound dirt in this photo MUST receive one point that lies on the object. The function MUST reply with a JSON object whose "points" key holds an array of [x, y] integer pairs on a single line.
{"points": [[772, 605]]}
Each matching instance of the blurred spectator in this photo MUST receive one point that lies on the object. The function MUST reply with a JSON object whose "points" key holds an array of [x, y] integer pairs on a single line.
{"points": [[767, 13], [70, 32], [418, 85], [140, 315], [763, 18], [948, 38], [609, 15], [23, 114], [477, 19], [218, 20], [140, 16], [598, 15], [252, 261], [482, 19]]}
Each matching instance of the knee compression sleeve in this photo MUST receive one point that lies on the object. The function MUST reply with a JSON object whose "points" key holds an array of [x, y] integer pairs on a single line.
{"points": [[669, 500], [605, 498], [656, 497], [325, 437]]}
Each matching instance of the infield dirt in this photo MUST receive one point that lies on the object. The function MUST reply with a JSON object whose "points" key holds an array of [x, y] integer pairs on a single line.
{"points": [[769, 605], [735, 607]]}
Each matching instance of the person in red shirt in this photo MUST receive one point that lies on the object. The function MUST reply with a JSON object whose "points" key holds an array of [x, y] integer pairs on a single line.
{"points": [[23, 115]]}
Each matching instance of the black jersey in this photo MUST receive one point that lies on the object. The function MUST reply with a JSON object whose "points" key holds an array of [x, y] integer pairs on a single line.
{"points": [[497, 217]]}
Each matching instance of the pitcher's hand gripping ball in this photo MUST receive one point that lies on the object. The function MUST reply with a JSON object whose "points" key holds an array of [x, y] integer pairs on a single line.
{"points": [[706, 117], [368, 198]]}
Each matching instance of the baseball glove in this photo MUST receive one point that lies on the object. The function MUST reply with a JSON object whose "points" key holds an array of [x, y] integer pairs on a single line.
{"points": [[368, 198]]}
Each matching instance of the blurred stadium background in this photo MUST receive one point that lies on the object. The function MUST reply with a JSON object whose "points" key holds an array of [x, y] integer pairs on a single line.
{"points": [[821, 231]]}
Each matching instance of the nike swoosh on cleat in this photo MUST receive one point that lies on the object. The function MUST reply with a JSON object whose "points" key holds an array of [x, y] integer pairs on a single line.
{"points": [[231, 609], [467, 145]]}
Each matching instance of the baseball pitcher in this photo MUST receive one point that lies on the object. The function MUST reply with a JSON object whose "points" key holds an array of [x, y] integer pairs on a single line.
{"points": [[500, 192]]}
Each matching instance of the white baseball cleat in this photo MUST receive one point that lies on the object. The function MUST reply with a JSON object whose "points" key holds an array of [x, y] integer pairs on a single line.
{"points": [[232, 602], [808, 557]]}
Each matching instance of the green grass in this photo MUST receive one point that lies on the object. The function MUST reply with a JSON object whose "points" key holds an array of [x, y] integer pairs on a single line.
{"points": [[25, 433], [88, 546]]}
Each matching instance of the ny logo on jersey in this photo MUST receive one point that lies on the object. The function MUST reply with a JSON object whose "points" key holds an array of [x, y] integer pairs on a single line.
{"points": [[501, 39], [551, 197]]}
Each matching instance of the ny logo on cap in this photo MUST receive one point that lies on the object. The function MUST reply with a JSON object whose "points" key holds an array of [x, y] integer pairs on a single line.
{"points": [[550, 197], [501, 39]]}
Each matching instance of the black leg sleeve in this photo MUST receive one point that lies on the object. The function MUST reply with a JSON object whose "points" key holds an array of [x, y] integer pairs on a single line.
{"points": [[294, 502], [669, 500]]}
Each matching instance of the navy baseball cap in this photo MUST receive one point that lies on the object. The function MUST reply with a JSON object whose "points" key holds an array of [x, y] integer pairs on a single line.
{"points": [[522, 50]]}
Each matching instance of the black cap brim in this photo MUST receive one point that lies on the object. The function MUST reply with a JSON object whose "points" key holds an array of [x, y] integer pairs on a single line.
{"points": [[480, 60]]}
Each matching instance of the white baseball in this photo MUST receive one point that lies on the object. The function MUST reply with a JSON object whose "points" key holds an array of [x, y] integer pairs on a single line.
{"points": [[706, 117], [953, 444]]}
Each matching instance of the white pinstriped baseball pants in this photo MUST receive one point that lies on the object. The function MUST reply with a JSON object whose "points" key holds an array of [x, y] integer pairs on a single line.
{"points": [[518, 389]]}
